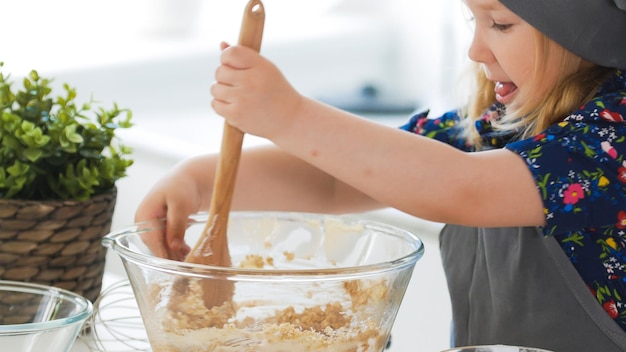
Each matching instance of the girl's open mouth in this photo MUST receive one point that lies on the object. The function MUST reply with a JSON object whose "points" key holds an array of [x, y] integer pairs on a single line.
{"points": [[505, 92]]}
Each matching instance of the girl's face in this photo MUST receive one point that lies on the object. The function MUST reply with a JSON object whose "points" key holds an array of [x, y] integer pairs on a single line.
{"points": [[505, 46]]}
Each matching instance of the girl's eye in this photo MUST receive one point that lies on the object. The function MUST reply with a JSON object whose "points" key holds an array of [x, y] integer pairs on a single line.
{"points": [[500, 27]]}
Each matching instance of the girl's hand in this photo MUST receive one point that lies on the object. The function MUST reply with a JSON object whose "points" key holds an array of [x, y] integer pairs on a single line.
{"points": [[173, 198], [252, 94]]}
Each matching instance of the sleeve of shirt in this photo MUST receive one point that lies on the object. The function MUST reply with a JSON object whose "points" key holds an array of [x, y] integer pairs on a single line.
{"points": [[445, 128], [579, 166]]}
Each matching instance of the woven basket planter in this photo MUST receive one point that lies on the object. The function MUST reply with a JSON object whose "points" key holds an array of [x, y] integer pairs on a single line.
{"points": [[56, 243]]}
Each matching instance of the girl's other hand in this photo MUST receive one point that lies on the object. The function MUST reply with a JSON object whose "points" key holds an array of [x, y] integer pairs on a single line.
{"points": [[174, 198]]}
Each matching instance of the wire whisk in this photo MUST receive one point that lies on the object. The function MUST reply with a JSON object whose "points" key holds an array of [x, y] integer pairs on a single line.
{"points": [[116, 325]]}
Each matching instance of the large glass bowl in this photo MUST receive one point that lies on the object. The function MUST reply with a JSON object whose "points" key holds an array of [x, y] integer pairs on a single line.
{"points": [[36, 318], [303, 282]]}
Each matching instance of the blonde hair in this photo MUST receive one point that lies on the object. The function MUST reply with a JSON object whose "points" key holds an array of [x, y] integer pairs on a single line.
{"points": [[576, 83]]}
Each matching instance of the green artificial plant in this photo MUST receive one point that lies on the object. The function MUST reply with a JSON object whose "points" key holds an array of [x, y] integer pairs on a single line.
{"points": [[52, 149]]}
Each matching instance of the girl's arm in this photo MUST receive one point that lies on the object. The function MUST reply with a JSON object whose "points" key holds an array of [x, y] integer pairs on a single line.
{"points": [[417, 175], [268, 179]]}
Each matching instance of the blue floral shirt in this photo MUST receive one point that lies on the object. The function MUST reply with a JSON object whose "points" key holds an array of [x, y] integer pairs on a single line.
{"points": [[579, 166]]}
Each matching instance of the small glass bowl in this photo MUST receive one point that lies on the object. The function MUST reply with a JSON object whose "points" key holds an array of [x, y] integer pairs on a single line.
{"points": [[495, 348], [40, 318]]}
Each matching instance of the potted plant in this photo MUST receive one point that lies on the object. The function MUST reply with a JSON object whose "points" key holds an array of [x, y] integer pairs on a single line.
{"points": [[59, 163]]}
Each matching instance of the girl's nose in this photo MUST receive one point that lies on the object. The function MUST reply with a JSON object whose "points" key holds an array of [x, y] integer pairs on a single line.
{"points": [[479, 51]]}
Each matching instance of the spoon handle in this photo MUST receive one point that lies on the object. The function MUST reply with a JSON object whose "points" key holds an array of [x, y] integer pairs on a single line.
{"points": [[212, 247]]}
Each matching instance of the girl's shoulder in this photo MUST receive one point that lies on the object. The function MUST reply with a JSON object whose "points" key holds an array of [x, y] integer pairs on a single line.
{"points": [[600, 120], [579, 164], [608, 105]]}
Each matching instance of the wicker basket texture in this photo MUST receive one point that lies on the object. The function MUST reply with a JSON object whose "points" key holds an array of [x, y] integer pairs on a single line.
{"points": [[56, 243]]}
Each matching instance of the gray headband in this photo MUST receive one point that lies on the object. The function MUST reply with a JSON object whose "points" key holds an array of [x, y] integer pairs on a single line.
{"points": [[592, 29]]}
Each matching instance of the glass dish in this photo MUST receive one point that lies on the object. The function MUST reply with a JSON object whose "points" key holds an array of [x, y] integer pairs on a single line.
{"points": [[40, 318], [303, 282]]}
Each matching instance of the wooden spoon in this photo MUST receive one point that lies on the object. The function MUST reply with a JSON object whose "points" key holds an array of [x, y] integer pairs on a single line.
{"points": [[212, 247]]}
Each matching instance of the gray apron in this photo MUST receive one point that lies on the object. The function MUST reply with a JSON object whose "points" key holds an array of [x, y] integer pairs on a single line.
{"points": [[514, 286]]}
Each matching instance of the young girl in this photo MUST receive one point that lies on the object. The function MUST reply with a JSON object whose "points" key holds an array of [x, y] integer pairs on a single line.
{"points": [[531, 176]]}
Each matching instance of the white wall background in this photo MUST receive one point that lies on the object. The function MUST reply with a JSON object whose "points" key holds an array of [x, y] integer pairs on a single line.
{"points": [[416, 48]]}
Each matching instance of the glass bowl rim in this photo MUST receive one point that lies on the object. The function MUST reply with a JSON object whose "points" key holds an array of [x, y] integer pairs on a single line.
{"points": [[113, 240], [45, 290]]}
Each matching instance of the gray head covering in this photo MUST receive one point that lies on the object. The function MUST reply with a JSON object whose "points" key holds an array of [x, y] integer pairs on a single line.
{"points": [[592, 29]]}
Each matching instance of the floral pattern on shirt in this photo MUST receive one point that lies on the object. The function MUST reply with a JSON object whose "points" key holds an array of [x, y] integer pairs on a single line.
{"points": [[579, 166]]}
